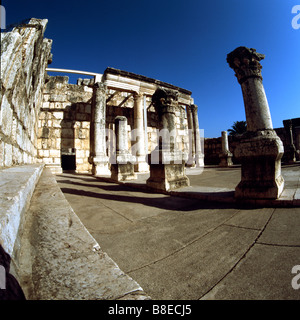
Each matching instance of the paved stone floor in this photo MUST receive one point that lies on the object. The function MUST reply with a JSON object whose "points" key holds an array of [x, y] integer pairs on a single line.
{"points": [[180, 248]]}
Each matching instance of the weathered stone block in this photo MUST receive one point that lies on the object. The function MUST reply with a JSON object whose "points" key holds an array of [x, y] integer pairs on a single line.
{"points": [[122, 171], [6, 116], [260, 157]]}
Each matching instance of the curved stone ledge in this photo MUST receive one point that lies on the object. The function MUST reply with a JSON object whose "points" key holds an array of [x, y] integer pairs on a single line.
{"points": [[16, 188], [60, 260]]}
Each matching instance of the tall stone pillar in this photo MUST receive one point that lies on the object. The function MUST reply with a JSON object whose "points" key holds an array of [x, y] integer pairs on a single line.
{"points": [[191, 156], [167, 166], [260, 150], [226, 155], [291, 149], [140, 150], [99, 158], [123, 168], [199, 156]]}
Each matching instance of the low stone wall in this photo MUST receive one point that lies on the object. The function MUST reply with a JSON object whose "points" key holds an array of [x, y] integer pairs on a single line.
{"points": [[24, 57], [213, 146]]}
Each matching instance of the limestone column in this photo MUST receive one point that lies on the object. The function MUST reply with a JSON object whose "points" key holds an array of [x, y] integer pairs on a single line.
{"points": [[291, 149], [99, 157], [226, 155], [140, 150], [123, 169], [191, 157], [199, 156], [167, 166], [260, 150]]}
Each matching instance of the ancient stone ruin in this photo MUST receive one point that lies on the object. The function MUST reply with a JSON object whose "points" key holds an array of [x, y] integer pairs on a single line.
{"points": [[260, 151], [116, 125], [226, 155], [167, 162]]}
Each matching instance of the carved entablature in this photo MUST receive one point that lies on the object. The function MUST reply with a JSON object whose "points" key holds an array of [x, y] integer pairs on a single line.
{"points": [[245, 63]]}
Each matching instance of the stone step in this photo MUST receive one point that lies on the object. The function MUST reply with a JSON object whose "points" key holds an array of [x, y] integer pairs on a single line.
{"points": [[60, 260], [16, 188]]}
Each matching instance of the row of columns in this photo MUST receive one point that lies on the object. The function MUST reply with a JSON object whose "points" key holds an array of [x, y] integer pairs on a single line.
{"points": [[196, 155], [98, 156], [259, 152]]}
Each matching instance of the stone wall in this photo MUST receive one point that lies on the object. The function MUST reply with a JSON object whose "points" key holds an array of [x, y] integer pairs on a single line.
{"points": [[213, 148], [24, 56], [64, 125], [65, 117]]}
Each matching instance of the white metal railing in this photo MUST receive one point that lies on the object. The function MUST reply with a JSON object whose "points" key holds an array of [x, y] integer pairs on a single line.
{"points": [[97, 76]]}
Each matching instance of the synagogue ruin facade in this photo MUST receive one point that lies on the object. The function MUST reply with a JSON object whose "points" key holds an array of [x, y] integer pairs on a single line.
{"points": [[72, 126]]}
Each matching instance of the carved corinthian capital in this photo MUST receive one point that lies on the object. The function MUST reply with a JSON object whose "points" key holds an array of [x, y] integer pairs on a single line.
{"points": [[164, 97], [245, 63]]}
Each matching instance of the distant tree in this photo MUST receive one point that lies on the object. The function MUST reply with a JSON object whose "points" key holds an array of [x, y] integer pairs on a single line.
{"points": [[239, 127]]}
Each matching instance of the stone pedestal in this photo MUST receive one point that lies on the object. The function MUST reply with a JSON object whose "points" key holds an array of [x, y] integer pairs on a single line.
{"points": [[123, 168], [98, 157], [260, 156], [260, 150], [167, 166], [226, 155]]}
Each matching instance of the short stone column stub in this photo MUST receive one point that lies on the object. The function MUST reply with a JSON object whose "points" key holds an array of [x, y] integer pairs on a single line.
{"points": [[99, 157], [167, 165], [260, 151], [226, 155], [123, 168]]}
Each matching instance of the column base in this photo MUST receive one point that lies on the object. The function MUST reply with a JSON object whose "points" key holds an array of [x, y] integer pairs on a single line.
{"points": [[225, 160], [141, 165], [199, 159], [123, 172], [271, 189], [260, 157], [167, 177], [100, 166]]}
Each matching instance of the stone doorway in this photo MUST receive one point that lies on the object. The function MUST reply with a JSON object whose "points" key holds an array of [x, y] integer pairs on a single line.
{"points": [[68, 160]]}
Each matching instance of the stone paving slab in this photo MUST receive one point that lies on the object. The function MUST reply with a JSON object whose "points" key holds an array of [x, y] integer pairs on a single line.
{"points": [[59, 258], [264, 274], [188, 248], [218, 185]]}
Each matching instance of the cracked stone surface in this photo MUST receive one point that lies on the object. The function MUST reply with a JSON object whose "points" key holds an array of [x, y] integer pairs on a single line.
{"points": [[60, 259], [179, 248]]}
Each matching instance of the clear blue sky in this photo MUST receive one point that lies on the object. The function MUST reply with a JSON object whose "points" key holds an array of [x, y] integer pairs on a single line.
{"points": [[183, 42]]}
